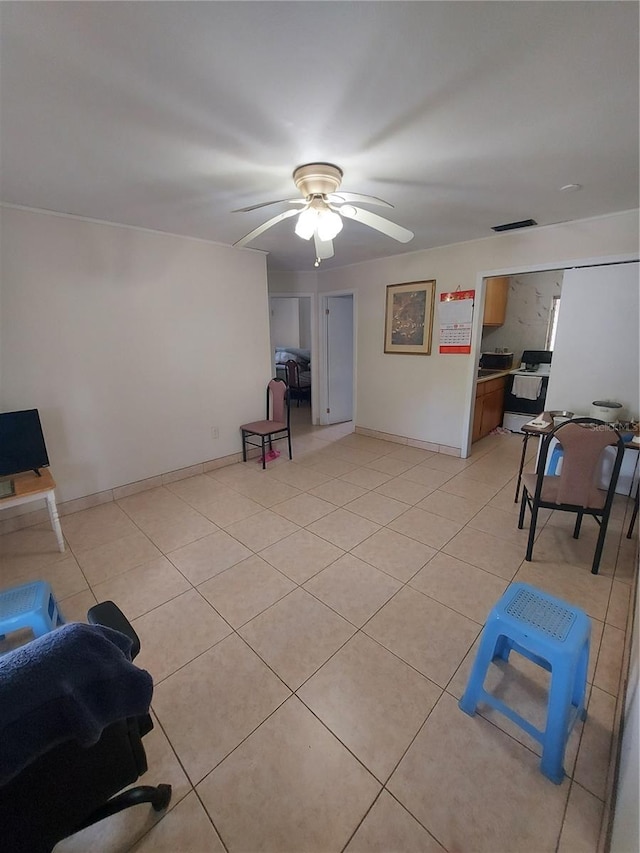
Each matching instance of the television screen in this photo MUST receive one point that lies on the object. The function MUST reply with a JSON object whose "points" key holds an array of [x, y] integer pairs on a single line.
{"points": [[22, 446]]}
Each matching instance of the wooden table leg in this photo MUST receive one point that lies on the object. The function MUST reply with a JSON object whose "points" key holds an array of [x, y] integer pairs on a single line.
{"points": [[55, 519]]}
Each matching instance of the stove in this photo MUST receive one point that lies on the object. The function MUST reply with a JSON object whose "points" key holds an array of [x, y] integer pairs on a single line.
{"points": [[518, 407], [540, 370]]}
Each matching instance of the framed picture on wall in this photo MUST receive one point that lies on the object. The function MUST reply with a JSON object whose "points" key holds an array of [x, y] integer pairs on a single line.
{"points": [[408, 321]]}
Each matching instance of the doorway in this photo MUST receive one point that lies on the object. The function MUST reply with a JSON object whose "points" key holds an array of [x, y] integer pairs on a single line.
{"points": [[338, 401], [555, 321], [291, 323], [518, 321], [530, 312]]}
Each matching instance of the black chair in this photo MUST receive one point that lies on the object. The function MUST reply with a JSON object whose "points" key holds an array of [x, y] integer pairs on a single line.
{"points": [[71, 787], [275, 427], [298, 389], [575, 489]]}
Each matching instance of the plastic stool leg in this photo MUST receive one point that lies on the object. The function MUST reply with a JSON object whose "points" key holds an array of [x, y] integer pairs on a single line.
{"points": [[56, 617], [475, 683], [557, 729], [40, 623], [578, 697], [503, 648]]}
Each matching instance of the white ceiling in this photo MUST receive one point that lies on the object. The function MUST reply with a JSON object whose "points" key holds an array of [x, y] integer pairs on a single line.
{"points": [[464, 115]]}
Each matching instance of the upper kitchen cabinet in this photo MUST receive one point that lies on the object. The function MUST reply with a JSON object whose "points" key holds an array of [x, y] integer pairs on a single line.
{"points": [[495, 303]]}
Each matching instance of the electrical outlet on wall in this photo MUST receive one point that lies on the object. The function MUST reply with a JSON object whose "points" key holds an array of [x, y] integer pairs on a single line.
{"points": [[215, 432]]}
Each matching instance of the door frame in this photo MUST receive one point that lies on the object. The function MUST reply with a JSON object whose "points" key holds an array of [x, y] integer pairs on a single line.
{"points": [[519, 269], [323, 352], [315, 350]]}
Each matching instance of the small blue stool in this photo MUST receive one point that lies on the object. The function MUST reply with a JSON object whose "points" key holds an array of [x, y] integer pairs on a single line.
{"points": [[556, 636], [31, 605], [556, 456]]}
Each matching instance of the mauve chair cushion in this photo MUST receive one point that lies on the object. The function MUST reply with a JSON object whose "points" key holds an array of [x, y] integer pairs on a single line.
{"points": [[263, 427], [550, 491]]}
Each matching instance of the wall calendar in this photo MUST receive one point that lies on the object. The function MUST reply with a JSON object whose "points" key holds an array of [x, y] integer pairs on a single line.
{"points": [[455, 313]]}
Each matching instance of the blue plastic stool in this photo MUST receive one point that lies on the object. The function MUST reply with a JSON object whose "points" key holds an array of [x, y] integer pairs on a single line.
{"points": [[556, 636], [552, 465], [31, 605]]}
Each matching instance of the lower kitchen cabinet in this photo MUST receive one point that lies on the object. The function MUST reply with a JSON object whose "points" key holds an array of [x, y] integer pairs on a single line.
{"points": [[489, 407]]}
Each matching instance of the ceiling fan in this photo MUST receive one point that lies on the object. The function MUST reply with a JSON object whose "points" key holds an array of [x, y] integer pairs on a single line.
{"points": [[321, 208]]}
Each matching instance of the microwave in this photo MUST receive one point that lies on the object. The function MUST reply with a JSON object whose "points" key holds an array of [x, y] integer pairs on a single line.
{"points": [[496, 360]]}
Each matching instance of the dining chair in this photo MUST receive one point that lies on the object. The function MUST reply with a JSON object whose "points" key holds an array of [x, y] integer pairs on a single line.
{"points": [[575, 486], [276, 425], [299, 390]]}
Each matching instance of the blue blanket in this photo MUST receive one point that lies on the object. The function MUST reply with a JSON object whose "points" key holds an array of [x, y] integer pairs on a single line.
{"points": [[67, 685]]}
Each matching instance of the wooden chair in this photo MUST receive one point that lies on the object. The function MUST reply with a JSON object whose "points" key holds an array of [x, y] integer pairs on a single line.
{"points": [[575, 489], [275, 427]]}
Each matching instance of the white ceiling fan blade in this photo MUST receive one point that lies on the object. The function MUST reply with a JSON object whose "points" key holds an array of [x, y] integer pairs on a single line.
{"points": [[267, 203], [341, 197], [265, 225], [397, 232], [324, 248]]}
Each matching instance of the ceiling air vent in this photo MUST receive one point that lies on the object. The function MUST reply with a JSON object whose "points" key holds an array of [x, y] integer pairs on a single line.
{"points": [[511, 226]]}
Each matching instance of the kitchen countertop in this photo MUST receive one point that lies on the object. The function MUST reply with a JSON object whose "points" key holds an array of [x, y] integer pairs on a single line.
{"points": [[495, 374]]}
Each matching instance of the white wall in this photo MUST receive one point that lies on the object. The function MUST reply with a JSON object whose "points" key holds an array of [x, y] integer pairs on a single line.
{"points": [[596, 354], [132, 345], [285, 281], [429, 397]]}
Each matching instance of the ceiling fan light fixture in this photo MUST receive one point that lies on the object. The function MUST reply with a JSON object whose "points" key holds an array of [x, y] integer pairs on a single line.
{"points": [[329, 225], [324, 209], [306, 223]]}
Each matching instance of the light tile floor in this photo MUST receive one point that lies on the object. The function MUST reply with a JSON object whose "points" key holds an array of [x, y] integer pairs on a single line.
{"points": [[309, 629]]}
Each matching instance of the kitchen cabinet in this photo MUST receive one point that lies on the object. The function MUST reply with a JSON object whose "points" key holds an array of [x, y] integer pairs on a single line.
{"points": [[495, 302], [489, 407]]}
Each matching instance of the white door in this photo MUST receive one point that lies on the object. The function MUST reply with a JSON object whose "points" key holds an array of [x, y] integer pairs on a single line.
{"points": [[596, 351], [339, 358], [284, 322]]}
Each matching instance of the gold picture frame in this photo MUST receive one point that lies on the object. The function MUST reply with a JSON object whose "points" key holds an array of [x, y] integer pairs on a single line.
{"points": [[408, 323]]}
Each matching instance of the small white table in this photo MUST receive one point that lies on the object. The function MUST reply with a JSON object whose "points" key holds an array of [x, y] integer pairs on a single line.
{"points": [[29, 487]]}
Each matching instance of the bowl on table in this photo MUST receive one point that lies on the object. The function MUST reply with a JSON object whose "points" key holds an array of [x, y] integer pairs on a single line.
{"points": [[559, 417]]}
